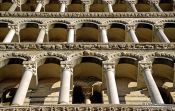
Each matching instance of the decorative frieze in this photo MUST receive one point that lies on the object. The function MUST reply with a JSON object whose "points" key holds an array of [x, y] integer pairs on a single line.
{"points": [[90, 15]]}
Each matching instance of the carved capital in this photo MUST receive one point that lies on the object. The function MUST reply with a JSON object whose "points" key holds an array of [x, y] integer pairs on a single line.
{"points": [[109, 66], [86, 2], [154, 1], [14, 27], [67, 66], [144, 65], [131, 27], [158, 26], [131, 1], [108, 1], [64, 2], [71, 26], [30, 65], [103, 27], [41, 1]]}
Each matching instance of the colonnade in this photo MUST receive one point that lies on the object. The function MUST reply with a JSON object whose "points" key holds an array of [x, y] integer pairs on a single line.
{"points": [[71, 33], [109, 72], [87, 4]]}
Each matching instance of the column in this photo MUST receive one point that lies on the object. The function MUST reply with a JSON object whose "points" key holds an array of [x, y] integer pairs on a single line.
{"points": [[41, 35], [13, 7], [132, 4], [131, 33], [156, 5], [86, 5], [153, 90], [63, 6], [103, 30], [87, 91], [67, 71], [160, 33], [39, 6], [110, 9], [71, 34], [109, 70], [24, 84], [11, 33]]}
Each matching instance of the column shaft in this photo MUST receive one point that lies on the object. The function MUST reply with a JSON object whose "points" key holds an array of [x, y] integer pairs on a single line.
{"points": [[23, 88], [104, 37], [86, 7], [162, 36], [152, 87], [133, 7], [65, 87], [38, 8], [13, 7], [133, 36], [41, 36], [158, 7], [71, 35], [110, 8], [63, 7], [9, 36], [112, 87]]}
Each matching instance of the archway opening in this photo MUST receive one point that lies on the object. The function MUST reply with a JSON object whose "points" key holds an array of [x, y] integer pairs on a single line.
{"points": [[98, 6], [29, 5], [88, 32], [166, 5], [143, 6], [144, 32], [120, 6], [87, 81], [76, 6], [5, 5], [116, 33], [58, 32], [53, 6], [169, 30]]}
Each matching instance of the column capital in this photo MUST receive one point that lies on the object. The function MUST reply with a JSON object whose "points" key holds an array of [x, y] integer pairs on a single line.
{"points": [[30, 65], [14, 27], [63, 2], [103, 27], [67, 66], [41, 1], [154, 1], [130, 27], [131, 1], [108, 1], [16, 2], [86, 2], [159, 26], [145, 65], [109, 66], [71, 27]]}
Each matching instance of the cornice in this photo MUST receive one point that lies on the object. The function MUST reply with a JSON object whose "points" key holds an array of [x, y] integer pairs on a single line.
{"points": [[55, 46], [89, 15]]}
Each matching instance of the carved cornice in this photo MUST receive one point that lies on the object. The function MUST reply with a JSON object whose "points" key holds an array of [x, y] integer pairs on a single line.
{"points": [[92, 107], [56, 46], [89, 15]]}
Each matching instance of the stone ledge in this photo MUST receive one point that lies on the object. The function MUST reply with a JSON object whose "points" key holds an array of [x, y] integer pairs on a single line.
{"points": [[89, 15], [56, 46], [92, 107]]}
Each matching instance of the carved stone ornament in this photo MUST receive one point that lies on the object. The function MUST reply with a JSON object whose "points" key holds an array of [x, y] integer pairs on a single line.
{"points": [[30, 65], [67, 66], [109, 66], [14, 27], [159, 26], [131, 27], [144, 65]]}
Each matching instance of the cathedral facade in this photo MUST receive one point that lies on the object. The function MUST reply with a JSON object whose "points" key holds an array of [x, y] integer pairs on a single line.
{"points": [[87, 55]]}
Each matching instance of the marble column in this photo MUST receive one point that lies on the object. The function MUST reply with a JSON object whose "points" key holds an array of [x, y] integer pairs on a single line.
{"points": [[67, 71], [156, 5], [39, 6], [13, 7], [103, 30], [132, 5], [63, 6], [41, 35], [110, 9], [86, 5], [10, 35], [109, 70], [71, 34], [131, 33], [153, 90], [160, 33], [24, 85]]}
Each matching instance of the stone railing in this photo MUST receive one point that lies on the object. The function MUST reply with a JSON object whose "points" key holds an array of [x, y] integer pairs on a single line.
{"points": [[87, 15], [92, 108], [55, 46]]}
